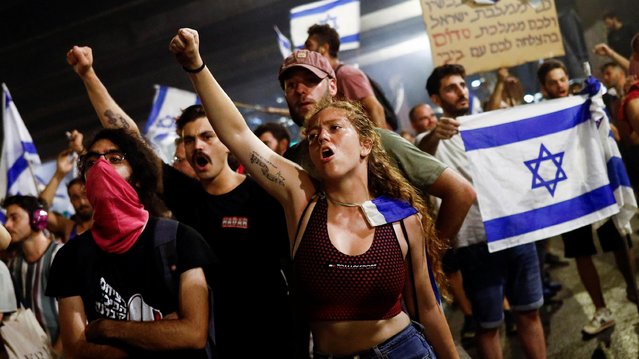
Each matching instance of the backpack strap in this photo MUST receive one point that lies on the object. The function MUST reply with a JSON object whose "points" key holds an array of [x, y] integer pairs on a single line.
{"points": [[166, 253], [165, 239]]}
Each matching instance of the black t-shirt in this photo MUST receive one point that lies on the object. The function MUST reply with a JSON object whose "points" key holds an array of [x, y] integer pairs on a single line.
{"points": [[619, 40], [127, 286], [246, 228]]}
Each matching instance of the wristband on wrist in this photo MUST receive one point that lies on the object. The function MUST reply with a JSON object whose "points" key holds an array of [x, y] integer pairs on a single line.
{"points": [[195, 71]]}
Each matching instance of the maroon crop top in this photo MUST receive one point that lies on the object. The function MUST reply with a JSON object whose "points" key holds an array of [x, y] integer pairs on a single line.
{"points": [[336, 286]]}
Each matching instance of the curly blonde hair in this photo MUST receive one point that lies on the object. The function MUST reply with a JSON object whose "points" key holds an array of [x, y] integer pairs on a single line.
{"points": [[385, 179]]}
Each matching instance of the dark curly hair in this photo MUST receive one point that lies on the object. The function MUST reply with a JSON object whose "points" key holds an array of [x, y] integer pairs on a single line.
{"points": [[439, 72]]}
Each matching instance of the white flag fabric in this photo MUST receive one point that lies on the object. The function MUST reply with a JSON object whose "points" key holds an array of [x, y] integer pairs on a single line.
{"points": [[617, 173], [168, 104], [19, 156], [540, 170], [283, 43], [341, 15]]}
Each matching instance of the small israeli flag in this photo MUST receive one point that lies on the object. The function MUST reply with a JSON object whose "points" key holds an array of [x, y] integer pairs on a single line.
{"points": [[341, 15], [283, 43], [19, 155], [168, 104]]}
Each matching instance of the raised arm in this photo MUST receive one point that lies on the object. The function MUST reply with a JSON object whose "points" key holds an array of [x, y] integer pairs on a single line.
{"points": [[109, 112], [58, 224], [605, 50], [494, 102], [283, 179]]}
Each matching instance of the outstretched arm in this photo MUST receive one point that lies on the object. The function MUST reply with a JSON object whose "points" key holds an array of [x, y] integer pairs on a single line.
{"points": [[109, 112], [446, 128], [283, 179]]}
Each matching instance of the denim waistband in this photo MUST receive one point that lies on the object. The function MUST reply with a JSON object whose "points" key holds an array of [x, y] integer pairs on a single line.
{"points": [[376, 351]]}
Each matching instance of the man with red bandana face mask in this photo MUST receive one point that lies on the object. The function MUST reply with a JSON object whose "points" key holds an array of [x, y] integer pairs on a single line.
{"points": [[113, 298], [244, 226]]}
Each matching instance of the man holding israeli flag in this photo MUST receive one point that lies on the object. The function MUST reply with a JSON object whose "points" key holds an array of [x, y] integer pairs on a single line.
{"points": [[512, 271], [19, 155], [342, 15]]}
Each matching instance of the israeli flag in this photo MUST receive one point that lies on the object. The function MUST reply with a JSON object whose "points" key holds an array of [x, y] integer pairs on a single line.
{"points": [[617, 173], [539, 170], [283, 43], [19, 156], [341, 15], [168, 104]]}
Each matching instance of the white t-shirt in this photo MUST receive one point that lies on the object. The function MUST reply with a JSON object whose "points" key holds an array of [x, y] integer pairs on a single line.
{"points": [[452, 153]]}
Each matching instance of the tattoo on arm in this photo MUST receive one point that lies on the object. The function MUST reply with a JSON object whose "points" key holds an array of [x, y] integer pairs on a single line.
{"points": [[268, 169], [116, 120]]}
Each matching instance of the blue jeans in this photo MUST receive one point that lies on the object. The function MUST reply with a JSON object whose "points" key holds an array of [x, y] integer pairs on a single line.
{"points": [[407, 344], [488, 277]]}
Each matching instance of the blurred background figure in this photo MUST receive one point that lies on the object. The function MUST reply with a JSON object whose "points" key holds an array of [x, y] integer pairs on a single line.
{"points": [[619, 34], [508, 91], [423, 120], [274, 135], [179, 159]]}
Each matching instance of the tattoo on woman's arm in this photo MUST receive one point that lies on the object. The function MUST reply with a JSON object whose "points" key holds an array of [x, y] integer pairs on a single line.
{"points": [[116, 120], [268, 169]]}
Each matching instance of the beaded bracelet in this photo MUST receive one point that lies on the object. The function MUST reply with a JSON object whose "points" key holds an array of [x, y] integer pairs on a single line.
{"points": [[195, 71]]}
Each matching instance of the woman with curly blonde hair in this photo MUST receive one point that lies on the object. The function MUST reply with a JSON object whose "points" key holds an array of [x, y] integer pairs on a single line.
{"points": [[359, 233]]}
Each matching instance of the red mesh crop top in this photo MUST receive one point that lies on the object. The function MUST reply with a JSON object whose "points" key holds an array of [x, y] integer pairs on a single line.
{"points": [[336, 286]]}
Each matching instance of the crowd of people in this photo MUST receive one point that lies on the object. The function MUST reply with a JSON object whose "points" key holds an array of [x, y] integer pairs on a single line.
{"points": [[346, 244]]}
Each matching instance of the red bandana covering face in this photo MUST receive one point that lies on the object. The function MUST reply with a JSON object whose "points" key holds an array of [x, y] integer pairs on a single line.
{"points": [[118, 215]]}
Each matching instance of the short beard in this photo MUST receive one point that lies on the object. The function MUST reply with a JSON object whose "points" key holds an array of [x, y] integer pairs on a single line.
{"points": [[83, 216], [458, 112]]}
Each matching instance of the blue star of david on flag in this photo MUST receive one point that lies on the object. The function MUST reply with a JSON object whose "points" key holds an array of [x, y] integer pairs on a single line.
{"points": [[535, 165], [331, 21]]}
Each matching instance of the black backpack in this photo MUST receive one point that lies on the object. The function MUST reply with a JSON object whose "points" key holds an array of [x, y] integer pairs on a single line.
{"points": [[389, 111], [166, 257]]}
